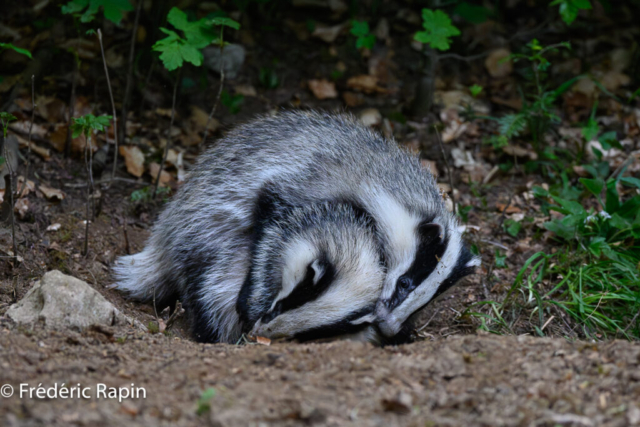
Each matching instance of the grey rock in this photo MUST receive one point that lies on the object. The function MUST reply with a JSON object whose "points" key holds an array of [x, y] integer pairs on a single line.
{"points": [[61, 301], [233, 56]]}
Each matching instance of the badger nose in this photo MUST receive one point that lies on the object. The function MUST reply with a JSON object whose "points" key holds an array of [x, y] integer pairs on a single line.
{"points": [[385, 320]]}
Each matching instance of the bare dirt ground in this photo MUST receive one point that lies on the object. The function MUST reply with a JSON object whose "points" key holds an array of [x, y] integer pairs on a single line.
{"points": [[459, 381], [446, 378]]}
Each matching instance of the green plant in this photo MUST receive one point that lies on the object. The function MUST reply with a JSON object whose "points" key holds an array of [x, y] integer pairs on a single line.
{"points": [[176, 49], [475, 90], [88, 125], [232, 102], [204, 402], [537, 112], [364, 39], [512, 227], [145, 195], [569, 8], [268, 78], [113, 9], [25, 52], [594, 277], [501, 260], [438, 29]]}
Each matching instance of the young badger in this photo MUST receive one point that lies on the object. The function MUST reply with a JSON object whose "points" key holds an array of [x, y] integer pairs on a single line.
{"points": [[304, 159], [305, 272]]}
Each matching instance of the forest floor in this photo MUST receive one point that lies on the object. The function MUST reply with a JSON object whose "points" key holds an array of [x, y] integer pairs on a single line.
{"points": [[455, 374], [464, 380]]}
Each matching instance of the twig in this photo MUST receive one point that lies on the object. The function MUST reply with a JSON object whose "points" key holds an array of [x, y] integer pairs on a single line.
{"points": [[215, 104], [127, 90], [177, 312], [446, 163], [547, 323], [127, 247], [631, 322], [84, 184], [72, 106], [11, 201], [166, 146], [113, 107], [88, 159], [33, 110], [469, 58]]}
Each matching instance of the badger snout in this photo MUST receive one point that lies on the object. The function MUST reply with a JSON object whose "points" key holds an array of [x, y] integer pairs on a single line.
{"points": [[386, 321]]}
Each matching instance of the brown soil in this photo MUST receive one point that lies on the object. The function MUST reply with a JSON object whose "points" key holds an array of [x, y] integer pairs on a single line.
{"points": [[482, 380]]}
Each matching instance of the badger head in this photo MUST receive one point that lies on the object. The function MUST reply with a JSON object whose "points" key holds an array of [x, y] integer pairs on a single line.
{"points": [[316, 273], [425, 257]]}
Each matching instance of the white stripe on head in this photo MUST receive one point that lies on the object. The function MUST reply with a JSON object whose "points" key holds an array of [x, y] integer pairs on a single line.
{"points": [[398, 227]]}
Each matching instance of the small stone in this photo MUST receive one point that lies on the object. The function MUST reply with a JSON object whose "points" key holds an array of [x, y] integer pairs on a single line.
{"points": [[61, 301], [233, 56]]}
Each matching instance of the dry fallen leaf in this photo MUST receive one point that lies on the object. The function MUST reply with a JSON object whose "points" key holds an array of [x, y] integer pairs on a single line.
{"points": [[51, 109], [51, 193], [514, 150], [165, 177], [30, 187], [54, 227], [133, 159], [510, 209], [365, 83], [45, 153], [353, 99], [496, 64], [21, 207], [200, 118], [246, 90], [323, 89], [326, 33], [263, 341]]}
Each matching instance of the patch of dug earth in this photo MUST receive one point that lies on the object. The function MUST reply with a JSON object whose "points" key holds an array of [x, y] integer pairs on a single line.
{"points": [[460, 381]]}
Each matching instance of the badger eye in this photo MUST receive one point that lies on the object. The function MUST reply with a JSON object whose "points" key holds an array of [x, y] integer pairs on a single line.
{"points": [[405, 282]]}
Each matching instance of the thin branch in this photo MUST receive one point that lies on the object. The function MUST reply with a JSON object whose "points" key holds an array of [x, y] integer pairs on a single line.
{"points": [[88, 159], [215, 105], [446, 163], [10, 181], [72, 106], [33, 110], [166, 146], [127, 90], [113, 108], [469, 58]]}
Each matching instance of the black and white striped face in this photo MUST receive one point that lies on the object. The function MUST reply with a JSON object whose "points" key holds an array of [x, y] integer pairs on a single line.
{"points": [[329, 279], [426, 257]]}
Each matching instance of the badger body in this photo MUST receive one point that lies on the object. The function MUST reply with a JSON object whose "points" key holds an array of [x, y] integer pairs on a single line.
{"points": [[203, 247]]}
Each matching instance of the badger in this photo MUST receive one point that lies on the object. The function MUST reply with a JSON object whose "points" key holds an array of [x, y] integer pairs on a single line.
{"points": [[305, 272], [201, 248]]}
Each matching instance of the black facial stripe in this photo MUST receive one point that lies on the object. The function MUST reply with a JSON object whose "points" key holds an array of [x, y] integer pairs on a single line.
{"points": [[268, 208], [459, 271], [341, 327], [428, 255], [365, 215], [304, 292]]}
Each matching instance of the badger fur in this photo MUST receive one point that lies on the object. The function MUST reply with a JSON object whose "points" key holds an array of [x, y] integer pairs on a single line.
{"points": [[202, 248], [312, 272]]}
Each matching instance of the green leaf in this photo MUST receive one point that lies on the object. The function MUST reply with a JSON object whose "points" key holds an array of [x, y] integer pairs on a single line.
{"points": [[226, 22], [512, 124], [569, 9], [472, 13], [512, 227], [590, 130], [15, 48], [501, 260], [359, 28], [198, 34], [438, 29], [631, 181], [595, 186], [613, 199], [113, 9], [475, 90]]}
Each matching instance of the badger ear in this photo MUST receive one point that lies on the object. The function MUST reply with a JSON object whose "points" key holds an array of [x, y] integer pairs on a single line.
{"points": [[317, 269], [430, 232]]}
